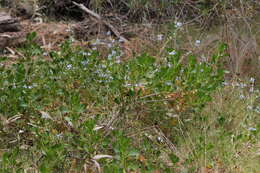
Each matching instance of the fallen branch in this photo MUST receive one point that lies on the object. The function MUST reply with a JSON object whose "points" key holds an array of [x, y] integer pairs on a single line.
{"points": [[98, 17], [8, 24]]}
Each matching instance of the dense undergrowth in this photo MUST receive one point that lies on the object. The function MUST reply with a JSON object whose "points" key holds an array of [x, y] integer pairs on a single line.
{"points": [[205, 12], [78, 112]]}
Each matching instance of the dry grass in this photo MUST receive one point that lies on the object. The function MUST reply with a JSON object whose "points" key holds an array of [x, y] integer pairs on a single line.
{"points": [[229, 145], [241, 39]]}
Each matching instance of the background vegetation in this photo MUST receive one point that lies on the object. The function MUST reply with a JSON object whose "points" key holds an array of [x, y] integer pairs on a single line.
{"points": [[179, 103]]}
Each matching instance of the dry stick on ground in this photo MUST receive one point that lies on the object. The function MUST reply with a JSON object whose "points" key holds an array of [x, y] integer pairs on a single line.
{"points": [[98, 17], [8, 24], [114, 119], [10, 31]]}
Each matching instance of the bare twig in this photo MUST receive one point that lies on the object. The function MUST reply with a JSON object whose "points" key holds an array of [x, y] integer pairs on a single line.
{"points": [[13, 52], [113, 119], [171, 146], [10, 50], [92, 13], [140, 131], [98, 17]]}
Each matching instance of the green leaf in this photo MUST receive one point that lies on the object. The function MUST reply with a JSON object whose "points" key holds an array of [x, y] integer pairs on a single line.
{"points": [[31, 36], [174, 158], [134, 153], [43, 168], [145, 60], [5, 157]]}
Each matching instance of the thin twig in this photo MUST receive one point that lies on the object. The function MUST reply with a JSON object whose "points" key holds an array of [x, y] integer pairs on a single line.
{"points": [[140, 131], [171, 146], [98, 17], [10, 50]]}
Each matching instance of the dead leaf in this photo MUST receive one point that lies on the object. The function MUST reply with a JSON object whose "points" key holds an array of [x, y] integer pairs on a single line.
{"points": [[141, 158]]}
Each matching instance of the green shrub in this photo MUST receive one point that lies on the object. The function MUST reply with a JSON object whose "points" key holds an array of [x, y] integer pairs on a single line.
{"points": [[55, 104]]}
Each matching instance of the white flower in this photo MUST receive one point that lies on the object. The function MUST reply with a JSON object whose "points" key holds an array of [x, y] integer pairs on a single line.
{"points": [[252, 80], [28, 86], [21, 131], [113, 52], [225, 83], [103, 66], [250, 107], [84, 63], [68, 30], [197, 42], [108, 33], [159, 139], [60, 135], [160, 37], [84, 53], [69, 66], [121, 40], [72, 40], [178, 24], [257, 109], [168, 83], [242, 85], [172, 52], [252, 129], [45, 115], [242, 97]]}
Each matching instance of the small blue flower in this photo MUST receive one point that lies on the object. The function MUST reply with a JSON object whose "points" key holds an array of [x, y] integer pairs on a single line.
{"points": [[197, 42], [252, 129], [172, 52], [252, 80], [178, 24], [160, 37], [69, 66]]}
